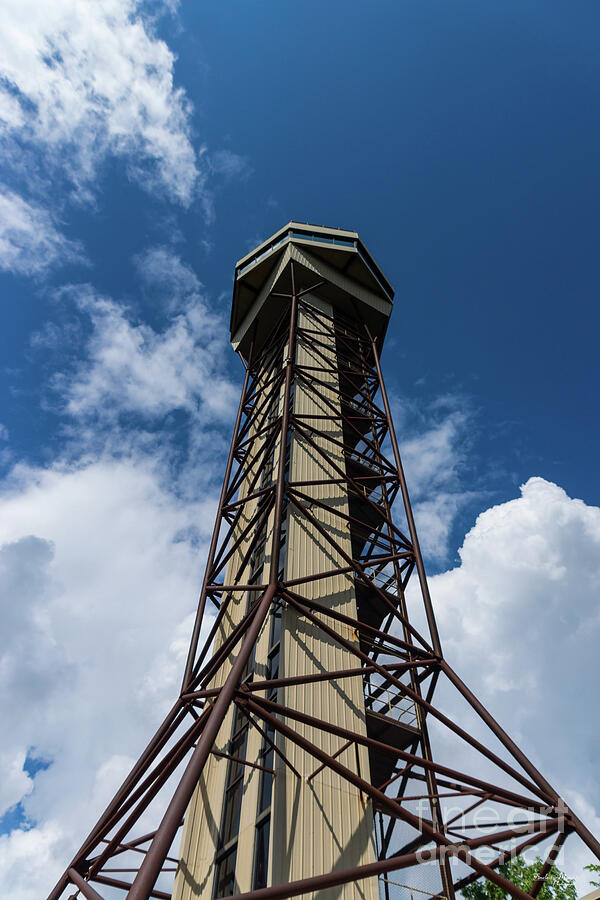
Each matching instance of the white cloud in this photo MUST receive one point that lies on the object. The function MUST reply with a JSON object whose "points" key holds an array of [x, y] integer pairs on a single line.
{"points": [[434, 455], [83, 81], [133, 368], [30, 242], [28, 859], [94, 608], [16, 783], [163, 271], [101, 558], [435, 517], [82, 84], [11, 114], [229, 164], [433, 440], [520, 622]]}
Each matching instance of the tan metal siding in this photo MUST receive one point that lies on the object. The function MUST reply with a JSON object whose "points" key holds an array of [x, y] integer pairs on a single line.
{"points": [[323, 824]]}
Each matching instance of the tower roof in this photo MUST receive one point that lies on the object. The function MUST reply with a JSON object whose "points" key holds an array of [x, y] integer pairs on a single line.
{"points": [[333, 256]]}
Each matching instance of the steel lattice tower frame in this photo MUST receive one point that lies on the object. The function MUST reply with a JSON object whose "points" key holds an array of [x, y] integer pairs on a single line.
{"points": [[309, 317]]}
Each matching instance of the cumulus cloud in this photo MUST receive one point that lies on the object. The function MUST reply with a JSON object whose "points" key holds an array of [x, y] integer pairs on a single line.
{"points": [[82, 81], [101, 556], [28, 857], [30, 241], [520, 622], [94, 606], [100, 564]]}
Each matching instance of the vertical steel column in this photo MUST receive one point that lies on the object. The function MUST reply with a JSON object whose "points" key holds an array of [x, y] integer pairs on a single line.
{"points": [[215, 535], [433, 629], [435, 804]]}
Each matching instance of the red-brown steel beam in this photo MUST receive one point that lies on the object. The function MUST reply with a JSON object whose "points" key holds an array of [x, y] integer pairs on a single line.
{"points": [[154, 747], [311, 380], [404, 814], [148, 790], [86, 889], [358, 625], [429, 612], [359, 570], [389, 750], [500, 860], [430, 709], [548, 863], [348, 479], [584, 833], [297, 679], [277, 750], [124, 886], [214, 539]]}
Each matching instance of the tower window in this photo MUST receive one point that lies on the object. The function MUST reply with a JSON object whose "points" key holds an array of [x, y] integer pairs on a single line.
{"points": [[273, 664], [261, 854], [266, 778], [231, 812], [226, 857], [225, 877]]}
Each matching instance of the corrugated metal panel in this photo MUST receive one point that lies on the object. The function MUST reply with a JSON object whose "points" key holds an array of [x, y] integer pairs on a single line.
{"points": [[324, 824], [352, 288]]}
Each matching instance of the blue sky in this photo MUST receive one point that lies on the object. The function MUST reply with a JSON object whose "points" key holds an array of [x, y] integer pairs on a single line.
{"points": [[144, 147]]}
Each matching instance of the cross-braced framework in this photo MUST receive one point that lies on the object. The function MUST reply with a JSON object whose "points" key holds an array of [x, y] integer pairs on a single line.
{"points": [[458, 813]]}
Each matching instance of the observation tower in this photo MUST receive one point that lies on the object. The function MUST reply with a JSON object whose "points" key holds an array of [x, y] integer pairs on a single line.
{"points": [[306, 753]]}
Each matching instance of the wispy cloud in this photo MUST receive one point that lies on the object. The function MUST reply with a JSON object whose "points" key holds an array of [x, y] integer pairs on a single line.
{"points": [[131, 367], [82, 84], [434, 438], [30, 241], [165, 275], [229, 164]]}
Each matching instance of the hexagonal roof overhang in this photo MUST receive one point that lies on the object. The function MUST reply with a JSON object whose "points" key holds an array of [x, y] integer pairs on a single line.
{"points": [[337, 255]]}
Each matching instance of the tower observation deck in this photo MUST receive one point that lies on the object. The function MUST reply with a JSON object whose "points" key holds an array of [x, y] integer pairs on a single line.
{"points": [[305, 754]]}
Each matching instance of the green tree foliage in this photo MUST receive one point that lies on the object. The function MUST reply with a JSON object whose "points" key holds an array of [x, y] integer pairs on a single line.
{"points": [[522, 874], [593, 867]]}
